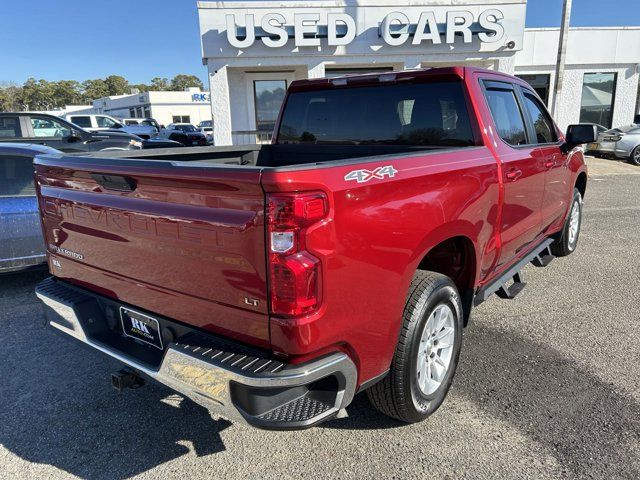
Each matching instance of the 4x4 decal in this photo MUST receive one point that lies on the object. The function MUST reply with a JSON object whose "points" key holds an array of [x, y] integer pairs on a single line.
{"points": [[362, 176]]}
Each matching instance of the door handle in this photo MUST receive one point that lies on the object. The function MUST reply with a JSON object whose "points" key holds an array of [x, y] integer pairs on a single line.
{"points": [[513, 174], [550, 163]]}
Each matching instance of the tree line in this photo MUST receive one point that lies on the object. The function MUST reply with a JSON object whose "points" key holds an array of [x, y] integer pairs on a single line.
{"points": [[44, 95]]}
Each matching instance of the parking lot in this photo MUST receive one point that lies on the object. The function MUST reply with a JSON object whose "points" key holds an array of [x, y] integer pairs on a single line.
{"points": [[548, 387]]}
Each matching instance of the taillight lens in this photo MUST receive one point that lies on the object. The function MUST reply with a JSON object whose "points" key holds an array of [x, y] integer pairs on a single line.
{"points": [[295, 274]]}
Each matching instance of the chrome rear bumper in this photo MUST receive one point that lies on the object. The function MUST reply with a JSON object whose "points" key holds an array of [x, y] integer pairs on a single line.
{"points": [[262, 392]]}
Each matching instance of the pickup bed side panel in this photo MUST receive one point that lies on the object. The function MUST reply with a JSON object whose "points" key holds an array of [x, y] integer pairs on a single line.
{"points": [[185, 242], [377, 233]]}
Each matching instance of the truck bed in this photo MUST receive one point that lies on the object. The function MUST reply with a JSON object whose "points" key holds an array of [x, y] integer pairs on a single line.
{"points": [[272, 156]]}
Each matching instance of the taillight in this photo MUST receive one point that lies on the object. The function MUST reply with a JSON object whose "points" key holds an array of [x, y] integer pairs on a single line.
{"points": [[295, 274]]}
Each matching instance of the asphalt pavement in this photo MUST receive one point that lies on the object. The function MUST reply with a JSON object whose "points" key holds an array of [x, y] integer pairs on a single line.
{"points": [[548, 386]]}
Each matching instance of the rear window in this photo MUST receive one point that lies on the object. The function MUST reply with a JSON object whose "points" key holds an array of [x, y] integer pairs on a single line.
{"points": [[16, 176], [427, 114], [84, 122]]}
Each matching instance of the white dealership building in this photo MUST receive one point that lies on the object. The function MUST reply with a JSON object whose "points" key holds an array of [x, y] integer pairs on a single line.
{"points": [[254, 49], [190, 106]]}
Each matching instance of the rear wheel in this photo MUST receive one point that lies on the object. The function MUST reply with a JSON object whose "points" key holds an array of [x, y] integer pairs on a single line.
{"points": [[568, 240], [635, 157], [427, 352]]}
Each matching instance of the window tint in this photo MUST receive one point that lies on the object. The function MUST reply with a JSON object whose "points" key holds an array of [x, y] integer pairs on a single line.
{"points": [[545, 133], [16, 176], [507, 116], [105, 122], [49, 128], [428, 114], [9, 127], [84, 122]]}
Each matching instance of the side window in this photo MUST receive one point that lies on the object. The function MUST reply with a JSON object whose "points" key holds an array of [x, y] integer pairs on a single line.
{"points": [[49, 128], [16, 176], [105, 122], [545, 132], [10, 127], [81, 121], [507, 116]]}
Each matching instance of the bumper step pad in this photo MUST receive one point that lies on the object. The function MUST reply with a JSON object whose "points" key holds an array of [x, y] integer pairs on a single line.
{"points": [[299, 410]]}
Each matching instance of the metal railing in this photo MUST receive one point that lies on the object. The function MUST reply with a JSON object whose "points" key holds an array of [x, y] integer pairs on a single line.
{"points": [[250, 137]]}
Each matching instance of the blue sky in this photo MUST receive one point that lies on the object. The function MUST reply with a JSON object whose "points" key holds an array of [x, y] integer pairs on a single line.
{"points": [[141, 39]]}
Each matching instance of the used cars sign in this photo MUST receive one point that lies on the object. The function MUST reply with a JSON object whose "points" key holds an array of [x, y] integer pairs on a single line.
{"points": [[255, 29], [340, 29]]}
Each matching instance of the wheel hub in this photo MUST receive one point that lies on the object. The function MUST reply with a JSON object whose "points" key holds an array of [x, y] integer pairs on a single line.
{"points": [[436, 349]]}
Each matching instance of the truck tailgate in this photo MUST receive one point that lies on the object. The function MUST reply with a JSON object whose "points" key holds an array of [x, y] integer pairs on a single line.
{"points": [[180, 240]]}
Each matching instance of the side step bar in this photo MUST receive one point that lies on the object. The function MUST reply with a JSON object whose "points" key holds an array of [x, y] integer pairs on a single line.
{"points": [[540, 256]]}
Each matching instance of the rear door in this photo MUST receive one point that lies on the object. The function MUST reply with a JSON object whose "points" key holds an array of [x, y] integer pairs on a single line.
{"points": [[523, 171], [54, 133], [21, 242], [545, 144], [178, 240]]}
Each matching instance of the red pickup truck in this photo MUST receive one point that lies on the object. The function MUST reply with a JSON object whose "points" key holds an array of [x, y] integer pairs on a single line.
{"points": [[271, 283]]}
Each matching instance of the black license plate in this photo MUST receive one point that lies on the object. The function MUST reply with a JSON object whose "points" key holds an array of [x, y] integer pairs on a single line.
{"points": [[141, 327]]}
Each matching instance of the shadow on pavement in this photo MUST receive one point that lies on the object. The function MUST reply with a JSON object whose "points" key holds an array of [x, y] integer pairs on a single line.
{"points": [[57, 406], [591, 429]]}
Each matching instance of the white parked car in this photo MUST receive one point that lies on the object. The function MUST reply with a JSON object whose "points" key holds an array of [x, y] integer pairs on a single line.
{"points": [[100, 122], [206, 127]]}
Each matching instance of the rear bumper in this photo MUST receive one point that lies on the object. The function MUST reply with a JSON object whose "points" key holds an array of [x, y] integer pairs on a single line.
{"points": [[237, 383]]}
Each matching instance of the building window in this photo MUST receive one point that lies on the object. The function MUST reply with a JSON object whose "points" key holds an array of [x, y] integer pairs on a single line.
{"points": [[147, 112], [268, 96], [338, 72], [540, 83], [181, 119], [598, 95], [132, 112]]}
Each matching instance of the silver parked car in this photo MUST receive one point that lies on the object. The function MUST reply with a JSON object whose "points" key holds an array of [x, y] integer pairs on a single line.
{"points": [[623, 143], [21, 244]]}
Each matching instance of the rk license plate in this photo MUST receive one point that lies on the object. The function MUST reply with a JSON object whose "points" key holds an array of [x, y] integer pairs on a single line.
{"points": [[141, 327]]}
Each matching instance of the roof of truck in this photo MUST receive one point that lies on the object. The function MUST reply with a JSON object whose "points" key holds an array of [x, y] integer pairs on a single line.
{"points": [[459, 72]]}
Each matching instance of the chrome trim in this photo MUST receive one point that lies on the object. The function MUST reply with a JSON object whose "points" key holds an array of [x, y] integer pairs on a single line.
{"points": [[207, 384]]}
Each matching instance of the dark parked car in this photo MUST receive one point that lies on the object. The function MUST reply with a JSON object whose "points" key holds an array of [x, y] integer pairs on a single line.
{"points": [[58, 133], [21, 244], [160, 143], [185, 133]]}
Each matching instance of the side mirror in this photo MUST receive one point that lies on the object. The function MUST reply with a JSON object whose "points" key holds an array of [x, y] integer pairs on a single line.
{"points": [[580, 134], [74, 136], [118, 125]]}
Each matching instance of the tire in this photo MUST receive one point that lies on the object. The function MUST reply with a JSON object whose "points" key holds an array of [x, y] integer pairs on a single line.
{"points": [[401, 395], [634, 159], [568, 241]]}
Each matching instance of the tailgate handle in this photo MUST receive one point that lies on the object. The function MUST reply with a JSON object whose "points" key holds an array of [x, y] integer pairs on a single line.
{"points": [[115, 182]]}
